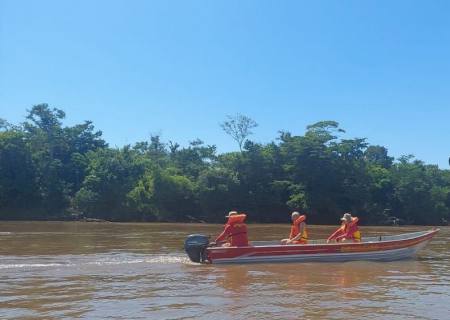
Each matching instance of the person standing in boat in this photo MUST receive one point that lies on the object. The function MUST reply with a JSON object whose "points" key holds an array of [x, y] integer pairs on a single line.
{"points": [[235, 232], [348, 230], [298, 234]]}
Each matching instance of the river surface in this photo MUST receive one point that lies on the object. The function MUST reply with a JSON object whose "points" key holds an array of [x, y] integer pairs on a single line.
{"points": [[78, 270]]}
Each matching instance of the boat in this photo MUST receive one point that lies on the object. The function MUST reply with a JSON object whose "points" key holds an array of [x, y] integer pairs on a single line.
{"points": [[379, 248]]}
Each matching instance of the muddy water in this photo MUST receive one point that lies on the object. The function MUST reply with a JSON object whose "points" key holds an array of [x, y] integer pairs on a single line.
{"points": [[54, 270]]}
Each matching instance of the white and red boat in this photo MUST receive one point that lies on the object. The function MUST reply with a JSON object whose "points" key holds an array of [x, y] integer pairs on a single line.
{"points": [[380, 248]]}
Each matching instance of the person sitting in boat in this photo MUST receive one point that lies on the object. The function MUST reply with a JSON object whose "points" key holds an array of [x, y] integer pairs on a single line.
{"points": [[347, 231], [235, 232], [298, 234]]}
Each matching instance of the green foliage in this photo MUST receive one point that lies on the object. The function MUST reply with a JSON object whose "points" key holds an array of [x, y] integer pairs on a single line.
{"points": [[378, 156], [111, 187], [19, 193], [142, 197], [218, 191], [174, 196], [52, 171]]}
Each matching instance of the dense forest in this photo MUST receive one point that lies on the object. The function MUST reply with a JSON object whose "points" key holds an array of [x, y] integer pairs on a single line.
{"points": [[49, 171]]}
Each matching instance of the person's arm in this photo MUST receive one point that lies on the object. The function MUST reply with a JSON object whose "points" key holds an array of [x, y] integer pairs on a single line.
{"points": [[341, 237], [224, 234], [336, 234]]}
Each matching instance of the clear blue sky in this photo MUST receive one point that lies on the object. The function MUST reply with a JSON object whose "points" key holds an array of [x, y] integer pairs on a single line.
{"points": [[379, 68]]}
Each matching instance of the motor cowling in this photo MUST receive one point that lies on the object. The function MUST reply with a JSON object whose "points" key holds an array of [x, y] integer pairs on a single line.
{"points": [[195, 246]]}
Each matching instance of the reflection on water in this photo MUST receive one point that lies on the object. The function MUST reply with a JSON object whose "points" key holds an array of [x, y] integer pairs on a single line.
{"points": [[52, 270]]}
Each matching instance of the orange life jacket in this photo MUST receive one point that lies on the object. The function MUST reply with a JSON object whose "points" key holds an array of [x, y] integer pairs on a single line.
{"points": [[352, 231], [295, 230], [348, 231], [235, 231]]}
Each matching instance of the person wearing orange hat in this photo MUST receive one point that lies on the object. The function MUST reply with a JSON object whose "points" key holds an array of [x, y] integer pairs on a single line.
{"points": [[235, 231], [298, 234]]}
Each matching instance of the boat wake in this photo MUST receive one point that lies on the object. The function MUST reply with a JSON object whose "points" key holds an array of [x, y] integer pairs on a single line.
{"points": [[30, 265], [89, 260], [156, 259]]}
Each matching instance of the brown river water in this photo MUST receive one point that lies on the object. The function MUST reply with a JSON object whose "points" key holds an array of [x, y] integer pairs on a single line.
{"points": [[68, 270]]}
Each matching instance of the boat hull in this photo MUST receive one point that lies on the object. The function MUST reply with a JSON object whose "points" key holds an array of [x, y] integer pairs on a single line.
{"points": [[386, 249]]}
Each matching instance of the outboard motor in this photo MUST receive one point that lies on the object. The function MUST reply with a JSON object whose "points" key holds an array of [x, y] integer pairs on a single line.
{"points": [[195, 246]]}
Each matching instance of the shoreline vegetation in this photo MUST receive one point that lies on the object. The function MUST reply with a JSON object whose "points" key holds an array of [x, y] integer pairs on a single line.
{"points": [[49, 171]]}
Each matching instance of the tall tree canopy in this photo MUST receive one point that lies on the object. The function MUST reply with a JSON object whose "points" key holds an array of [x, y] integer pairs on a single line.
{"points": [[52, 171], [239, 127]]}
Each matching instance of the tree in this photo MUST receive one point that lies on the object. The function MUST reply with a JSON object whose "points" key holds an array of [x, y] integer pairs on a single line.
{"points": [[174, 196], [219, 192], [191, 161], [4, 125], [19, 193], [52, 171], [50, 151], [239, 128], [113, 178], [59, 156], [378, 155]]}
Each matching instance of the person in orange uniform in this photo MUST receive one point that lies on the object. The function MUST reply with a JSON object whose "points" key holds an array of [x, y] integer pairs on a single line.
{"points": [[235, 232], [348, 230], [298, 234]]}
